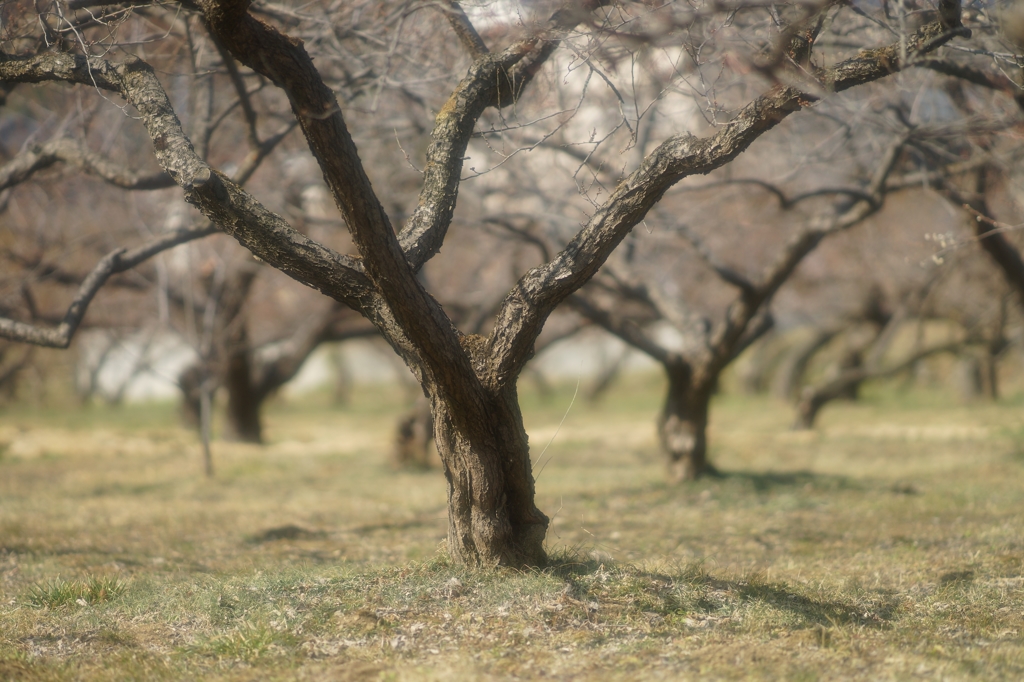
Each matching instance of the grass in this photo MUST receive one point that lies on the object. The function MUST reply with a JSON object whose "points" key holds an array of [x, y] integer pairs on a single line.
{"points": [[887, 544], [93, 590]]}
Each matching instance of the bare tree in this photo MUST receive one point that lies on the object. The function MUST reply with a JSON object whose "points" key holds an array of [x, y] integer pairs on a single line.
{"points": [[628, 303], [470, 379]]}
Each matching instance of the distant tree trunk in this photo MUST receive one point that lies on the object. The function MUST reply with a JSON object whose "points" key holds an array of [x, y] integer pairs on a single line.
{"points": [[190, 382], [790, 375], [967, 378], [813, 398], [845, 386], [682, 425], [244, 423], [415, 435], [607, 376], [497, 523], [990, 373], [753, 374], [811, 402], [852, 359]]}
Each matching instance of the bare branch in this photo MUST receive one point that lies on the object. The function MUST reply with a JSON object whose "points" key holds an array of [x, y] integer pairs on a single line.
{"points": [[464, 29], [540, 290], [992, 81], [492, 81], [814, 398], [223, 201], [785, 201], [396, 297], [74, 153], [726, 273], [523, 234], [116, 261], [243, 94], [618, 325]]}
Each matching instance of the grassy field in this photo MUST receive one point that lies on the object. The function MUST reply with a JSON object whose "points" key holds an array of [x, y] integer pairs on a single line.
{"points": [[888, 544]]}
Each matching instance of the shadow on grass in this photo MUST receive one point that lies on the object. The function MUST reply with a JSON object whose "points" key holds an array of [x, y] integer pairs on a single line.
{"points": [[768, 481], [824, 612], [694, 590]]}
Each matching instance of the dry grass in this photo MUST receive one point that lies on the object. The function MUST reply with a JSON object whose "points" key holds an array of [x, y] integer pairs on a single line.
{"points": [[889, 544]]}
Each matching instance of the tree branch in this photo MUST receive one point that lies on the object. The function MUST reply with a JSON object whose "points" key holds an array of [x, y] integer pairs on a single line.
{"points": [[386, 290], [223, 201], [115, 262], [544, 287], [492, 81], [618, 325], [724, 272], [74, 153], [464, 29]]}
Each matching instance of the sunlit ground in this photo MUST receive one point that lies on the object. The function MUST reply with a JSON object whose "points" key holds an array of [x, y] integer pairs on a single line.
{"points": [[887, 544]]}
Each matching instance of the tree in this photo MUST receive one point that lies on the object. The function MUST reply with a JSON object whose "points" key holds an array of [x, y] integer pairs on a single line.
{"points": [[470, 380], [694, 366], [863, 355]]}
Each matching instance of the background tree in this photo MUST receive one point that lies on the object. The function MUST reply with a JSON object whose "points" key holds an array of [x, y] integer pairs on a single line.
{"points": [[694, 364]]}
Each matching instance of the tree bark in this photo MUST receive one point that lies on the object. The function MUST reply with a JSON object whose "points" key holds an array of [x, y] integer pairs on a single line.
{"points": [[491, 512], [682, 425]]}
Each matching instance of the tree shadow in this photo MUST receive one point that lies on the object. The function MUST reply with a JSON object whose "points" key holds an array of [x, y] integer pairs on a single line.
{"points": [[768, 481], [693, 590], [824, 612]]}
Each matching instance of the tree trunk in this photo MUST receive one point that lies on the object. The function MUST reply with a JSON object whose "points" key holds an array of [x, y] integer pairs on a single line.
{"points": [[190, 382], [682, 426], [492, 518], [244, 401], [414, 437], [790, 374], [852, 359], [810, 403], [990, 373]]}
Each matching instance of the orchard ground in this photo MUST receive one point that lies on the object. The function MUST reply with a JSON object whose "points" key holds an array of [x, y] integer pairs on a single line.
{"points": [[887, 544]]}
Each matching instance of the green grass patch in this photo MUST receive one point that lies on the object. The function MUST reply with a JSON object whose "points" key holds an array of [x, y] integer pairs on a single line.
{"points": [[71, 593]]}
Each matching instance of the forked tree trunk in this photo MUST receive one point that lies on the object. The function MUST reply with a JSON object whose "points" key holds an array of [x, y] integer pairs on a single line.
{"points": [[492, 518], [682, 425]]}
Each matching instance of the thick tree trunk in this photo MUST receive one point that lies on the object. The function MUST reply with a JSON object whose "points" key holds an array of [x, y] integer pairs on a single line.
{"points": [[491, 512], [244, 400], [682, 425]]}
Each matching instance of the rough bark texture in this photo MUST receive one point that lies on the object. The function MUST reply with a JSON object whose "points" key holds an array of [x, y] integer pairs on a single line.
{"points": [[491, 512]]}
